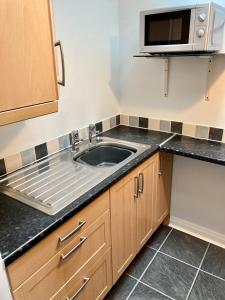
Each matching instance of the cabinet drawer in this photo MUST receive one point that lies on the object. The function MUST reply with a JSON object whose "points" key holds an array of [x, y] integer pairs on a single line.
{"points": [[92, 282], [53, 275], [35, 258]]}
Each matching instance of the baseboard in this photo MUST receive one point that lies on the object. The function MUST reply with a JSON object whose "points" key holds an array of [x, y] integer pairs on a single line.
{"points": [[198, 231]]}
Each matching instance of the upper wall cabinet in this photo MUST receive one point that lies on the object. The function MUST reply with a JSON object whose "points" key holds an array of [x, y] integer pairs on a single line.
{"points": [[28, 72]]}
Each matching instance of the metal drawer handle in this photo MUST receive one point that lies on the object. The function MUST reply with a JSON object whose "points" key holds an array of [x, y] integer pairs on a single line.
{"points": [[59, 44], [86, 280], [136, 186], [82, 240], [75, 230], [141, 183]]}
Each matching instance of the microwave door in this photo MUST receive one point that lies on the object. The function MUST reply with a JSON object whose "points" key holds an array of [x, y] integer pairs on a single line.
{"points": [[168, 32]]}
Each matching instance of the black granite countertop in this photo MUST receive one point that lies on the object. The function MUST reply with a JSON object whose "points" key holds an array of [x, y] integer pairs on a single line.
{"points": [[204, 150], [21, 226]]}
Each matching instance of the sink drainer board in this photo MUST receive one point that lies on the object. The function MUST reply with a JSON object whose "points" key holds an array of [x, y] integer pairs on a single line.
{"points": [[52, 184]]}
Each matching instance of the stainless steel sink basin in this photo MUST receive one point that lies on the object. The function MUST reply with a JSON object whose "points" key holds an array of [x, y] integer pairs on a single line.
{"points": [[105, 155], [51, 184]]}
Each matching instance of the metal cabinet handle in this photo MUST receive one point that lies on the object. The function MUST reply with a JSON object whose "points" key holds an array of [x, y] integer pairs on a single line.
{"points": [[136, 187], [86, 280], [65, 256], [61, 82], [75, 230], [141, 183]]}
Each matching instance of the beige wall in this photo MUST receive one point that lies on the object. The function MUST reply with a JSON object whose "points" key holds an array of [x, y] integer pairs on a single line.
{"points": [[89, 31], [198, 187], [142, 80]]}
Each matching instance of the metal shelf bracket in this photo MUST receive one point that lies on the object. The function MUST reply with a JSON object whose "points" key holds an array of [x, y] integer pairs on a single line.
{"points": [[166, 77], [209, 78]]}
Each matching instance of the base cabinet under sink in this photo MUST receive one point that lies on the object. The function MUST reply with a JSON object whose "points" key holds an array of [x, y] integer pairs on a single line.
{"points": [[84, 263], [139, 204]]}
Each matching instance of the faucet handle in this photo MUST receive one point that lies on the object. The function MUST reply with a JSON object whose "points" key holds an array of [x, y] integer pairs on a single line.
{"points": [[74, 137]]}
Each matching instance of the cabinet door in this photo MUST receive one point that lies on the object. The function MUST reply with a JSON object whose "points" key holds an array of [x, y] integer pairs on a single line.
{"points": [[123, 224], [27, 57], [145, 202], [164, 182]]}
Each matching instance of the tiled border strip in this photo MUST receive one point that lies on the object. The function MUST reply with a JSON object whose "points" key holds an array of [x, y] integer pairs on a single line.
{"points": [[17, 161], [195, 131]]}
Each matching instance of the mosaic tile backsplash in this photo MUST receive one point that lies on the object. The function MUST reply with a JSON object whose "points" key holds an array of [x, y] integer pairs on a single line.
{"points": [[29, 156]]}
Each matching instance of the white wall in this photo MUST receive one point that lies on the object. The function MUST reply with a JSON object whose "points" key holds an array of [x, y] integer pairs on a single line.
{"points": [[198, 187], [89, 31], [142, 79], [198, 197]]}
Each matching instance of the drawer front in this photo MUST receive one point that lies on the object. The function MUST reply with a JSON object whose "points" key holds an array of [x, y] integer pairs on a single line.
{"points": [[40, 254], [94, 241], [92, 282]]}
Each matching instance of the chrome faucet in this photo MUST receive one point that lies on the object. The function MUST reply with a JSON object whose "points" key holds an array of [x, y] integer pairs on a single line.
{"points": [[92, 132], [75, 140]]}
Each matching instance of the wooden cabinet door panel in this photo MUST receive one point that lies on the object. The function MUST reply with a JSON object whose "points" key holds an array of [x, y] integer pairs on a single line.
{"points": [[145, 202], [123, 224], [164, 182], [27, 56]]}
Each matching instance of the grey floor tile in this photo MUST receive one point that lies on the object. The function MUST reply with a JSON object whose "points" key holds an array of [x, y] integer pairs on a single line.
{"points": [[140, 262], [214, 261], [158, 237], [208, 287], [142, 292], [185, 247], [121, 289], [170, 276]]}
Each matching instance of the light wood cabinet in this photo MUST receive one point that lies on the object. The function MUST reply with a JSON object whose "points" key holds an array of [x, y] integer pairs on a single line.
{"points": [[139, 204], [164, 185], [70, 250], [147, 175], [89, 253], [91, 244], [123, 226], [28, 73]]}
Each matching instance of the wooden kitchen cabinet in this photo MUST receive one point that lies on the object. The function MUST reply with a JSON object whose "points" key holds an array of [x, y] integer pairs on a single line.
{"points": [[139, 204], [28, 73], [164, 182], [147, 175], [59, 263], [123, 224], [99, 242]]}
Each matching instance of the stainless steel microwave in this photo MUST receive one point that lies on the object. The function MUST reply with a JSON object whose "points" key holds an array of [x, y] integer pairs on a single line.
{"points": [[196, 28]]}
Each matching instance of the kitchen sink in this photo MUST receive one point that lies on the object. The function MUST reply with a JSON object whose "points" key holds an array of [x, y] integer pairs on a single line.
{"points": [[51, 184], [106, 155]]}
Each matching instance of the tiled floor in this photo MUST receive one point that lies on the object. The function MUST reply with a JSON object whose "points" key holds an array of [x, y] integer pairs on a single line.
{"points": [[174, 265]]}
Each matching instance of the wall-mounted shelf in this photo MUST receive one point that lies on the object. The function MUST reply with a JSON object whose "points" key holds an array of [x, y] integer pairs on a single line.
{"points": [[167, 57]]}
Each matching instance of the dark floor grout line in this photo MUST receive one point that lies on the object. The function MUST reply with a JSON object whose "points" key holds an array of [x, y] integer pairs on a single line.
{"points": [[131, 292], [196, 275]]}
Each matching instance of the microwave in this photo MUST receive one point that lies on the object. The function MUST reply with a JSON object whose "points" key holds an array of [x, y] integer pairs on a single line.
{"points": [[195, 28]]}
